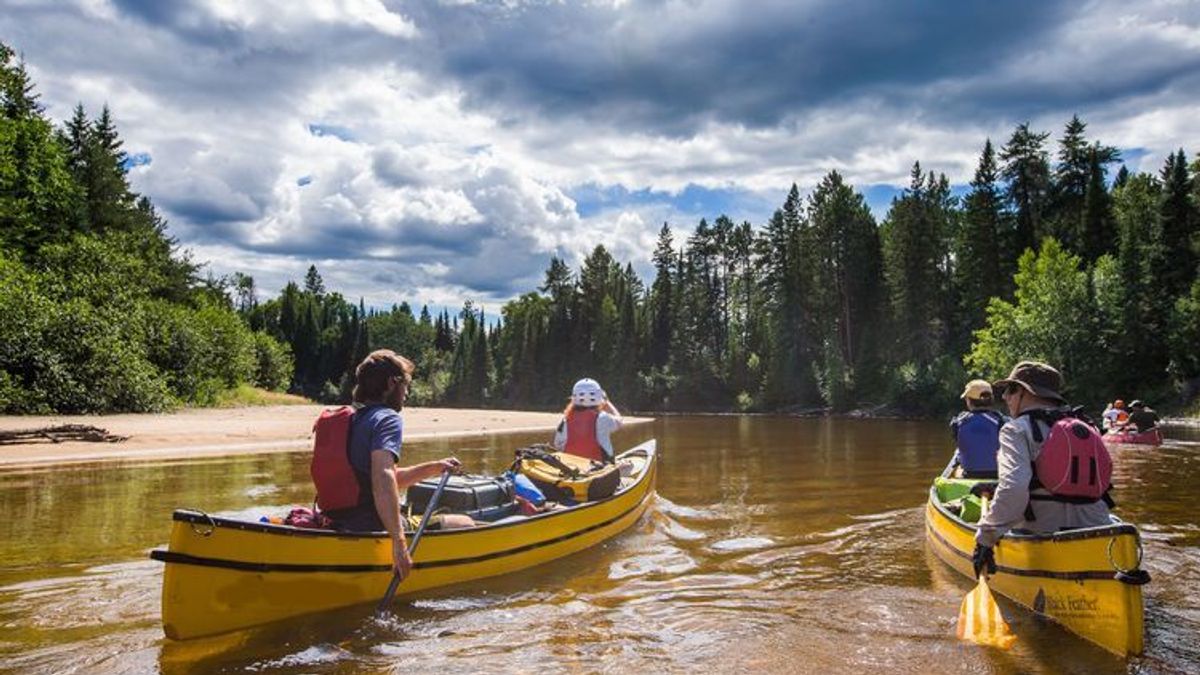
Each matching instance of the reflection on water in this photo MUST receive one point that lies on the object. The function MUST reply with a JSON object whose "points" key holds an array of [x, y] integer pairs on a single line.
{"points": [[775, 544]]}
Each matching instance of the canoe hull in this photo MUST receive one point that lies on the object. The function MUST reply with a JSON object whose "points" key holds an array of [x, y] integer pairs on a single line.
{"points": [[1069, 576], [1150, 437], [223, 575]]}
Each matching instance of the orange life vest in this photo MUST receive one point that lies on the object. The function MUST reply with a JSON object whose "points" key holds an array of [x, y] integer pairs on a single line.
{"points": [[581, 434]]}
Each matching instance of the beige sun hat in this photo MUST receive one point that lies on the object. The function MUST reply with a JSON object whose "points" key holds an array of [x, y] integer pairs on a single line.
{"points": [[978, 390]]}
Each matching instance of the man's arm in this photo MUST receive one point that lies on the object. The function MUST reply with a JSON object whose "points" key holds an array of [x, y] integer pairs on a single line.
{"points": [[387, 505], [1015, 469], [411, 475]]}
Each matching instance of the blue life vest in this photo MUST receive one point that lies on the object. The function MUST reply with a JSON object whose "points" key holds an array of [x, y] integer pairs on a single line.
{"points": [[978, 435]]}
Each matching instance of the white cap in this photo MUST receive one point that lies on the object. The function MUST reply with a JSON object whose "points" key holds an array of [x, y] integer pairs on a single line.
{"points": [[587, 393]]}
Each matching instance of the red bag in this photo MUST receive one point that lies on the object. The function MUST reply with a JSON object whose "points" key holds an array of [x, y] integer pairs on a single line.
{"points": [[337, 484], [307, 518], [1074, 462]]}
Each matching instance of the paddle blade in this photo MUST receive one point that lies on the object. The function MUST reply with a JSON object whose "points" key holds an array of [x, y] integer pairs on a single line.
{"points": [[979, 619]]}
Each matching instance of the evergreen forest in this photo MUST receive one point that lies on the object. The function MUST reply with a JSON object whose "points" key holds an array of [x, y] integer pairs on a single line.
{"points": [[1055, 251]]}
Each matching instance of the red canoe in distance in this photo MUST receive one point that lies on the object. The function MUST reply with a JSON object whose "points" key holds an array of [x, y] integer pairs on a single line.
{"points": [[1148, 437]]}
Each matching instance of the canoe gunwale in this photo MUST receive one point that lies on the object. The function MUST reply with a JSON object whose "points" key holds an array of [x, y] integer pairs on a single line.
{"points": [[1096, 575], [1117, 528], [197, 517], [246, 566]]}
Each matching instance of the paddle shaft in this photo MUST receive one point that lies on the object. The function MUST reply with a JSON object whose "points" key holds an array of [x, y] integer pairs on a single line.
{"points": [[412, 545]]}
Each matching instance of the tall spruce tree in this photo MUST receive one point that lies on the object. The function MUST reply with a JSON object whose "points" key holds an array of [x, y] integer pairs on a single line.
{"points": [[848, 278], [39, 200], [1025, 166], [660, 299], [914, 244], [979, 274], [1180, 226]]}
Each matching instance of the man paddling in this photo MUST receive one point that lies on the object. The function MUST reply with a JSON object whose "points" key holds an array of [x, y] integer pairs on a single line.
{"points": [[1031, 393], [1142, 418], [381, 384]]}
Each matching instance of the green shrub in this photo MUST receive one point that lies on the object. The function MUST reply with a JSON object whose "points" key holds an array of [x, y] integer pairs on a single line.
{"points": [[928, 389], [273, 363], [200, 351]]}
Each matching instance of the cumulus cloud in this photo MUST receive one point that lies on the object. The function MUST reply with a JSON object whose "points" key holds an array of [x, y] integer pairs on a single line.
{"points": [[444, 150]]}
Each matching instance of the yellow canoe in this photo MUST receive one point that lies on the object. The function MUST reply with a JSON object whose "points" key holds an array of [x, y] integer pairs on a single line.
{"points": [[224, 575], [1088, 580]]}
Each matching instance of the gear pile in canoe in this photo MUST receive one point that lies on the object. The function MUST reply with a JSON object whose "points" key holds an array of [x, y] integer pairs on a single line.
{"points": [[224, 575], [1089, 579]]}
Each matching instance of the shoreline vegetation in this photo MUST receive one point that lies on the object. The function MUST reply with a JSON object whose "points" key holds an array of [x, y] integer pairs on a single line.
{"points": [[1057, 251]]}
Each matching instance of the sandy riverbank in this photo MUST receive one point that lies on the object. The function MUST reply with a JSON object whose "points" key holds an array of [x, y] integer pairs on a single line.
{"points": [[212, 432]]}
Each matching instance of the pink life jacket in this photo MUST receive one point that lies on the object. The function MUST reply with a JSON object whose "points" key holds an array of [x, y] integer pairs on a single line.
{"points": [[581, 434], [1074, 465], [338, 485]]}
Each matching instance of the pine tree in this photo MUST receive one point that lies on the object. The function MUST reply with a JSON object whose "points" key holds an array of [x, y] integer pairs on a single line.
{"points": [[1180, 226], [1026, 168], [1096, 220], [39, 201], [660, 298], [848, 279], [1081, 169], [313, 283], [914, 243], [977, 248]]}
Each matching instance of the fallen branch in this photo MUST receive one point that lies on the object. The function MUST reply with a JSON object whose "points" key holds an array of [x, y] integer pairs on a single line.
{"points": [[60, 434]]}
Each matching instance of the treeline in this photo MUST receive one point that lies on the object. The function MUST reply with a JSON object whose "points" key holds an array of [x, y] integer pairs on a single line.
{"points": [[99, 309], [823, 307]]}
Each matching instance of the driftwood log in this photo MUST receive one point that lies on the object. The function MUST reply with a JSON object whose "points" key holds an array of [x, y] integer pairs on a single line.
{"points": [[60, 433]]}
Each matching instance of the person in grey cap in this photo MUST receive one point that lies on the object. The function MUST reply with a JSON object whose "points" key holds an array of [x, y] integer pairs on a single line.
{"points": [[1030, 392]]}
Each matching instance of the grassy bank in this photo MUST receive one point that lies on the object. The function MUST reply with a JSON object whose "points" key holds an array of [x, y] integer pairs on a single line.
{"points": [[245, 395]]}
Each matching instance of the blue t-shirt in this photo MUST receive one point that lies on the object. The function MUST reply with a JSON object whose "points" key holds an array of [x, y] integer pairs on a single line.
{"points": [[376, 427]]}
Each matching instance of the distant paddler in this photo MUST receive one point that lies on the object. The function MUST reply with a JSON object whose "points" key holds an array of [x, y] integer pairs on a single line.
{"points": [[1037, 491], [588, 423]]}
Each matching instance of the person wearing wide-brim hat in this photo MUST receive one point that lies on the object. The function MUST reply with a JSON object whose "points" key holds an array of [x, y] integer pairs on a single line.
{"points": [[1032, 386], [976, 432]]}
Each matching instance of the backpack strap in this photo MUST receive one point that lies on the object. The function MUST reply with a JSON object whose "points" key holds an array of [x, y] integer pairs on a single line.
{"points": [[1048, 417], [539, 453]]}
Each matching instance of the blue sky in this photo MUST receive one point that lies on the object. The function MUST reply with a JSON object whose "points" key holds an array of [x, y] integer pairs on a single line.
{"points": [[444, 150]]}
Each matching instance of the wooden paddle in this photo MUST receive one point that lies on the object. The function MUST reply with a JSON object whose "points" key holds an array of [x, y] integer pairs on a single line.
{"points": [[412, 545], [979, 618]]}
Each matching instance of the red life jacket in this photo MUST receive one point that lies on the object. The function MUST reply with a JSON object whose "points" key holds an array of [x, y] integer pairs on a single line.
{"points": [[338, 485], [1074, 465], [581, 434]]}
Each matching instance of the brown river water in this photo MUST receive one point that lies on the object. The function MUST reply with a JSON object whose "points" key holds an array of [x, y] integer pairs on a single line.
{"points": [[774, 545]]}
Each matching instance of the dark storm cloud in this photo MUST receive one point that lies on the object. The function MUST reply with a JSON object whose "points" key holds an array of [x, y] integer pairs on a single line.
{"points": [[669, 66]]}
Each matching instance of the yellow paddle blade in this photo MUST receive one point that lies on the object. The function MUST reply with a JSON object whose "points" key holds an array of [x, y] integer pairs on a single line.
{"points": [[979, 619]]}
